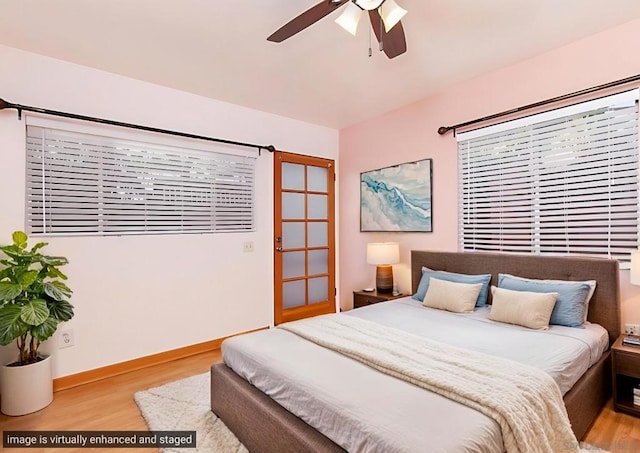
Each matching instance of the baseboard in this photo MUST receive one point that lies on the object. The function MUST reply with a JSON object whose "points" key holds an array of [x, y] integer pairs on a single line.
{"points": [[85, 377]]}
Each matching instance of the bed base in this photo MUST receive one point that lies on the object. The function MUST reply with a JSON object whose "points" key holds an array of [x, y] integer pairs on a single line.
{"points": [[587, 397], [260, 423]]}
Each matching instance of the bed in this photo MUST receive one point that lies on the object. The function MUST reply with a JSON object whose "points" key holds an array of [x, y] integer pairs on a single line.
{"points": [[264, 425]]}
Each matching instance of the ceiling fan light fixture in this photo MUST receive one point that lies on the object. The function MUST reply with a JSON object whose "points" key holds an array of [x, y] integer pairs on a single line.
{"points": [[368, 4], [391, 14], [349, 18]]}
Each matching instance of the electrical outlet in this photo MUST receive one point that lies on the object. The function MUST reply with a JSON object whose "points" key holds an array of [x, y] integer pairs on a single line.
{"points": [[248, 247], [632, 329], [66, 339]]}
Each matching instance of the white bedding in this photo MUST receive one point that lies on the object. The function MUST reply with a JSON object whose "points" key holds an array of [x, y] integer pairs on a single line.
{"points": [[563, 352], [366, 411]]}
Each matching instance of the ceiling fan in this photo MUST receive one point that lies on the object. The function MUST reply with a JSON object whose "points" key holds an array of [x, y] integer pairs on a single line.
{"points": [[384, 15]]}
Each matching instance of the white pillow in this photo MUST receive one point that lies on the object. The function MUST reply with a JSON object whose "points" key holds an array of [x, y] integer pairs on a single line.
{"points": [[591, 283], [452, 296], [523, 308]]}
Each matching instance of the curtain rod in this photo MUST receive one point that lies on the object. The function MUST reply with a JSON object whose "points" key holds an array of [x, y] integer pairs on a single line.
{"points": [[444, 129], [8, 105]]}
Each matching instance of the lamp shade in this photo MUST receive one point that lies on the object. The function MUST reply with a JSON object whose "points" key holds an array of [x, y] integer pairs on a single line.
{"points": [[391, 14], [634, 274], [383, 253], [349, 18]]}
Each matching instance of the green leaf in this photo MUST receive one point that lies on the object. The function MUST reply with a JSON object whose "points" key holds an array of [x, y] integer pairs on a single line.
{"points": [[35, 312], [9, 291], [28, 278], [62, 287], [61, 310], [54, 260], [38, 246], [44, 330], [54, 272], [11, 251], [11, 326], [19, 239], [57, 290]]}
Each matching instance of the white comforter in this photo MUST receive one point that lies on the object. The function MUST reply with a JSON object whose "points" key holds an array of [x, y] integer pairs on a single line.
{"points": [[523, 400]]}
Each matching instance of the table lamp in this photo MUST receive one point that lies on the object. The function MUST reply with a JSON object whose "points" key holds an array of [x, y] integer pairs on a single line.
{"points": [[383, 255]]}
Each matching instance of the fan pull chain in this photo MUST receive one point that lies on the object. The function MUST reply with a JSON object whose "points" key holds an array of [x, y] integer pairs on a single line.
{"points": [[370, 50]]}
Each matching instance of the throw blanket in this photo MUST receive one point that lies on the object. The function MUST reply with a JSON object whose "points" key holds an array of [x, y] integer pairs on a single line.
{"points": [[523, 400]]}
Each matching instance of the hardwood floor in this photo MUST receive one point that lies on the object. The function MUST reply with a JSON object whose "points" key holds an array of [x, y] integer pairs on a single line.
{"points": [[109, 405], [615, 432]]}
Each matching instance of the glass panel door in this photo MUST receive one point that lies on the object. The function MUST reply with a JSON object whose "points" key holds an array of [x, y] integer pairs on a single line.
{"points": [[304, 241]]}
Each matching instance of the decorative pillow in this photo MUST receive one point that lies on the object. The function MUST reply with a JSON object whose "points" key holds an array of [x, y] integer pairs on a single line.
{"points": [[571, 305], [452, 296], [456, 278], [591, 283], [523, 308]]}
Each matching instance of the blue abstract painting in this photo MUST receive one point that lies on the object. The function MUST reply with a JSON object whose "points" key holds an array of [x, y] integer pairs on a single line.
{"points": [[397, 198]]}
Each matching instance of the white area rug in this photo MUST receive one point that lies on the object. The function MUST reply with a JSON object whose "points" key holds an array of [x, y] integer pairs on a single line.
{"points": [[184, 405]]}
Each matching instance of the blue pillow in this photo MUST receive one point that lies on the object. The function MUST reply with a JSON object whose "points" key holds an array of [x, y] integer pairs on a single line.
{"points": [[456, 278], [572, 297]]}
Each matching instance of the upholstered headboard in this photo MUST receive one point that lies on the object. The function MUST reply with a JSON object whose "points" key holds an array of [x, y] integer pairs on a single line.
{"points": [[604, 308]]}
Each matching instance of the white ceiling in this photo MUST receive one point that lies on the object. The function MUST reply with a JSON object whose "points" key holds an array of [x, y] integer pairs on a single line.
{"points": [[322, 75]]}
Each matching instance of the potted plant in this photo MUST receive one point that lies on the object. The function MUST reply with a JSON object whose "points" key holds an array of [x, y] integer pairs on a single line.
{"points": [[33, 301]]}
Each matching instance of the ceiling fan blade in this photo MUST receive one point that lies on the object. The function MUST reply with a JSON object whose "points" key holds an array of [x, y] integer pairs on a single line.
{"points": [[393, 42], [309, 17]]}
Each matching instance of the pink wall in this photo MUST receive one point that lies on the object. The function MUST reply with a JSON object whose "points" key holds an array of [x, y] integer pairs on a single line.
{"points": [[409, 134]]}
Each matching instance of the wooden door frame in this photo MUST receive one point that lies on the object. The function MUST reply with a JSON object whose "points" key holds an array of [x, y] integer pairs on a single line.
{"points": [[296, 313]]}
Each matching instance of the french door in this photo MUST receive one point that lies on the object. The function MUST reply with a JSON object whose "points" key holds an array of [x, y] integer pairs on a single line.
{"points": [[304, 236]]}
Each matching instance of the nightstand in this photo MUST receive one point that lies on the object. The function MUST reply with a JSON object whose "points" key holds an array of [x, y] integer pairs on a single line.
{"points": [[626, 376], [364, 298]]}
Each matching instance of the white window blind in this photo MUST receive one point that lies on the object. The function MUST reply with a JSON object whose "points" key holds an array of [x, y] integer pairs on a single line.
{"points": [[563, 182], [80, 183]]}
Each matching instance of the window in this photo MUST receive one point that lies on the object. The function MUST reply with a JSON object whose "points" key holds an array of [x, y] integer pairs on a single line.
{"points": [[85, 183], [561, 182]]}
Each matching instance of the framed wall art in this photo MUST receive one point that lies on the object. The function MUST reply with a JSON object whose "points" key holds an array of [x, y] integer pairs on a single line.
{"points": [[397, 198]]}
